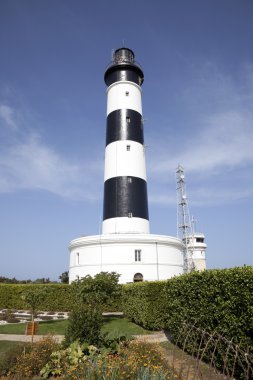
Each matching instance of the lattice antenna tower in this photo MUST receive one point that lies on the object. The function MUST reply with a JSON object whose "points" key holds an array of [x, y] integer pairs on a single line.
{"points": [[184, 225]]}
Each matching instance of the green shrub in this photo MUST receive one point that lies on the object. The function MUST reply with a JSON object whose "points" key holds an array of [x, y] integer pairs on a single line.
{"points": [[101, 290], [65, 361], [84, 325], [218, 301], [143, 361], [143, 303]]}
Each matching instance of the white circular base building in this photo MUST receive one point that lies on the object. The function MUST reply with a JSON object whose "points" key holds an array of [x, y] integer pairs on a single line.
{"points": [[136, 257]]}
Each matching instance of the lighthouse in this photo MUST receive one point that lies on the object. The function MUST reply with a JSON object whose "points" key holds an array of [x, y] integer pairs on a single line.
{"points": [[125, 181], [125, 245]]}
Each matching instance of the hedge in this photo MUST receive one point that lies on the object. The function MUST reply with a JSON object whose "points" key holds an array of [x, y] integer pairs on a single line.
{"points": [[220, 300], [214, 300], [143, 303], [60, 297], [217, 301]]}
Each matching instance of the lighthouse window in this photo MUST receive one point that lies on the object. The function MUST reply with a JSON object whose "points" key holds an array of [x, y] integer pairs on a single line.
{"points": [[129, 179], [200, 240], [128, 147], [130, 215], [77, 258], [128, 120], [137, 255], [127, 93]]}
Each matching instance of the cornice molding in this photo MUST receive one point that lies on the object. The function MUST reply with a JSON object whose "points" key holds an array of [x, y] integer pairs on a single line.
{"points": [[126, 239]]}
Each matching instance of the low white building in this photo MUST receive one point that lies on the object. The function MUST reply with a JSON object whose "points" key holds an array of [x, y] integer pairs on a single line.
{"points": [[137, 257]]}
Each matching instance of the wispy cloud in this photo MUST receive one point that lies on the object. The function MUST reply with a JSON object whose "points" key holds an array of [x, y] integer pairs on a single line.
{"points": [[224, 141], [217, 149], [27, 163], [7, 116]]}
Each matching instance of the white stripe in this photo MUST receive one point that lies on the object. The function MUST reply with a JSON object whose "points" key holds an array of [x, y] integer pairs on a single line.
{"points": [[124, 95], [125, 225], [119, 161]]}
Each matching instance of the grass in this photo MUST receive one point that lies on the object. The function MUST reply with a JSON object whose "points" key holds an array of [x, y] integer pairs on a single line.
{"points": [[5, 346], [185, 364], [48, 327], [114, 326]]}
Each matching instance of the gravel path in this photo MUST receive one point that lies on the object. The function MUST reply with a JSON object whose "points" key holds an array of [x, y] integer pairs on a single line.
{"points": [[27, 338], [158, 337]]}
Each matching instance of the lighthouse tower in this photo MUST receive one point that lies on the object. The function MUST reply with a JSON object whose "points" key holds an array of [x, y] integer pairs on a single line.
{"points": [[125, 245], [125, 186]]}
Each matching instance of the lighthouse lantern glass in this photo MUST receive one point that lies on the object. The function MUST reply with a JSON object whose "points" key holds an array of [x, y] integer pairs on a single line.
{"points": [[123, 55]]}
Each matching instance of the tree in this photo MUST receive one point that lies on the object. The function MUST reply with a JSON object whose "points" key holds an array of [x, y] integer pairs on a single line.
{"points": [[33, 298], [64, 277], [42, 280], [85, 320], [6, 280], [98, 290], [84, 324]]}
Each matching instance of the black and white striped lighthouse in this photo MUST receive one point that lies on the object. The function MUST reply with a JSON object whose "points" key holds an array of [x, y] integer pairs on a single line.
{"points": [[125, 245], [125, 182]]}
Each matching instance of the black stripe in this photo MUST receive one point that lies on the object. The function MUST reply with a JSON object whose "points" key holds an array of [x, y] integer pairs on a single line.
{"points": [[123, 196], [124, 124], [128, 72]]}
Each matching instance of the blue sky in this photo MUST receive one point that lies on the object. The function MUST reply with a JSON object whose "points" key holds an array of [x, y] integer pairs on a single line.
{"points": [[197, 58]]}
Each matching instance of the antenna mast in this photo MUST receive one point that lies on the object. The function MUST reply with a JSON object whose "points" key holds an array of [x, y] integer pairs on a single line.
{"points": [[184, 225]]}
